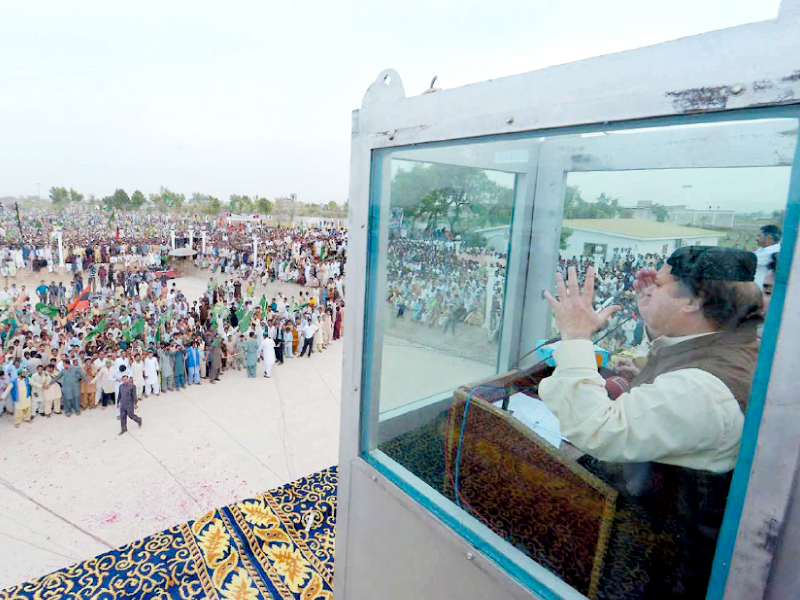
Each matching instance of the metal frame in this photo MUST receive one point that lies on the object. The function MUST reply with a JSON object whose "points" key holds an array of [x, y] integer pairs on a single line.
{"points": [[742, 67]]}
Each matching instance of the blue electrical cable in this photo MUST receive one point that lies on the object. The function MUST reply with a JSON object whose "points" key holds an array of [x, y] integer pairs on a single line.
{"points": [[457, 466]]}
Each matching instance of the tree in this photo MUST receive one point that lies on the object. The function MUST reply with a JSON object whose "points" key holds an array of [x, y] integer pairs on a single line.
{"points": [[434, 204], [137, 200], [575, 207], [198, 199], [119, 200], [264, 206], [566, 233], [174, 199], [212, 206], [242, 205], [467, 193], [661, 213], [75, 196], [167, 200], [59, 195]]}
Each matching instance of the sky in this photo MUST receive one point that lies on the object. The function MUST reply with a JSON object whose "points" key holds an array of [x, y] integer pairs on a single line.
{"points": [[741, 189], [256, 97]]}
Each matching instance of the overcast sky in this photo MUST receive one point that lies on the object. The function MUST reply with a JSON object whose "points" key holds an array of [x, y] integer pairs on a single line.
{"points": [[255, 97]]}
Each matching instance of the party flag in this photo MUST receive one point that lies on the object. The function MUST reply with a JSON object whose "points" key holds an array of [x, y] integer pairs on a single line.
{"points": [[100, 328], [244, 322], [134, 330], [47, 310]]}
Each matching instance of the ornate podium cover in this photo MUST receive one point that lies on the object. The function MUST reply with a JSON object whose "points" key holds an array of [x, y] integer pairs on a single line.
{"points": [[525, 490]]}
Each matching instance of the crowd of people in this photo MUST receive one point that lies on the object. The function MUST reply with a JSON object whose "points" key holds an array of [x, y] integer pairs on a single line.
{"points": [[440, 286], [120, 330]]}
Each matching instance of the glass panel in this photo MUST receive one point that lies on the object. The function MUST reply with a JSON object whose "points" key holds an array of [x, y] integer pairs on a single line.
{"points": [[449, 221], [612, 470]]}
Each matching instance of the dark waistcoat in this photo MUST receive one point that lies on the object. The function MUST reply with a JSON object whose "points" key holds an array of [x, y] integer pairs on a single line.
{"points": [[682, 505]]}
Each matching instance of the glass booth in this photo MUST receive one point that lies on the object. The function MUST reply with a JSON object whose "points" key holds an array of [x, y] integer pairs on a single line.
{"points": [[463, 238]]}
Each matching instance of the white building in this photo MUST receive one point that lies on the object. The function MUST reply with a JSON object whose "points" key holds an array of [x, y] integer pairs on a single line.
{"points": [[640, 236]]}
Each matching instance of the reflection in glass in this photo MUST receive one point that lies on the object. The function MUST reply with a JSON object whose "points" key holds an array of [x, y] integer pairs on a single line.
{"points": [[447, 250], [616, 477]]}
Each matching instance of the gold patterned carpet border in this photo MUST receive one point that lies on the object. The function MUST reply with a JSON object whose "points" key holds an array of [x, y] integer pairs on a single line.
{"points": [[278, 545]]}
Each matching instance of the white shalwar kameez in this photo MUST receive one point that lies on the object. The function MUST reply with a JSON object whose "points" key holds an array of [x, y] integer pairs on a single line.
{"points": [[267, 350]]}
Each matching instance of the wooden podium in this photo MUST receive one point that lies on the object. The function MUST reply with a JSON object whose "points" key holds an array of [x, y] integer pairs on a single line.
{"points": [[524, 489]]}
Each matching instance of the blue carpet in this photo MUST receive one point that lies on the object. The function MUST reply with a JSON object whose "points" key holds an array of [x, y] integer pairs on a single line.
{"points": [[278, 545]]}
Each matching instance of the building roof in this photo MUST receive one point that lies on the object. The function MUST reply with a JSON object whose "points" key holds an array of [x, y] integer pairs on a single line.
{"points": [[640, 229]]}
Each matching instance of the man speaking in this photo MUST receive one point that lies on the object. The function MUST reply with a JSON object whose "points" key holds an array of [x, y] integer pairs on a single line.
{"points": [[669, 445]]}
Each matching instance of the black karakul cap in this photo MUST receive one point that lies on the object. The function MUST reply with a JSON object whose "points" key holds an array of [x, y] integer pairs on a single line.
{"points": [[713, 262]]}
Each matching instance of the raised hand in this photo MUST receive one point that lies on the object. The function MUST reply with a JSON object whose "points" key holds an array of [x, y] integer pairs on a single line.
{"points": [[644, 284], [574, 310]]}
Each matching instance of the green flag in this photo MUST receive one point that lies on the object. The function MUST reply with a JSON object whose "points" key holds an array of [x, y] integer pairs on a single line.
{"points": [[134, 330], [101, 327], [263, 302], [244, 322], [47, 310], [165, 317]]}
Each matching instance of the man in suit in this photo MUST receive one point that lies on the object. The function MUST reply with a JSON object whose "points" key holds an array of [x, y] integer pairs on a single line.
{"points": [[127, 402]]}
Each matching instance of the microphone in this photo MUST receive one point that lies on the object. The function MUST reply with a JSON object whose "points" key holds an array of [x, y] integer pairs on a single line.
{"points": [[557, 338]]}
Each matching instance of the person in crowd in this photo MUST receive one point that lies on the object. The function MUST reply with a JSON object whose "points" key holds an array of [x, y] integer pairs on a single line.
{"points": [[215, 355], [193, 363], [88, 389], [38, 381], [89, 329], [52, 393], [19, 390], [152, 386], [70, 379], [309, 330], [137, 375], [769, 244], [179, 360], [166, 363], [267, 350], [251, 349]]}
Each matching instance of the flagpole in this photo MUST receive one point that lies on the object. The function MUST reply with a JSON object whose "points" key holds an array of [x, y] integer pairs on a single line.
{"points": [[19, 224]]}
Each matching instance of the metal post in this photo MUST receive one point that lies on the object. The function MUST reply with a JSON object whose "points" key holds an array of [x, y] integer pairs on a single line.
{"points": [[203, 235], [487, 321], [255, 249], [172, 238], [60, 237]]}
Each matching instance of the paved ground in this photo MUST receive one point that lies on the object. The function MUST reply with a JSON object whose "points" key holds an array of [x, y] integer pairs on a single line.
{"points": [[72, 488], [420, 361]]}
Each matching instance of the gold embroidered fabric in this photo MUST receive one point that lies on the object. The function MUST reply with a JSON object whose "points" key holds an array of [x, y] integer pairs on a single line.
{"points": [[278, 545]]}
